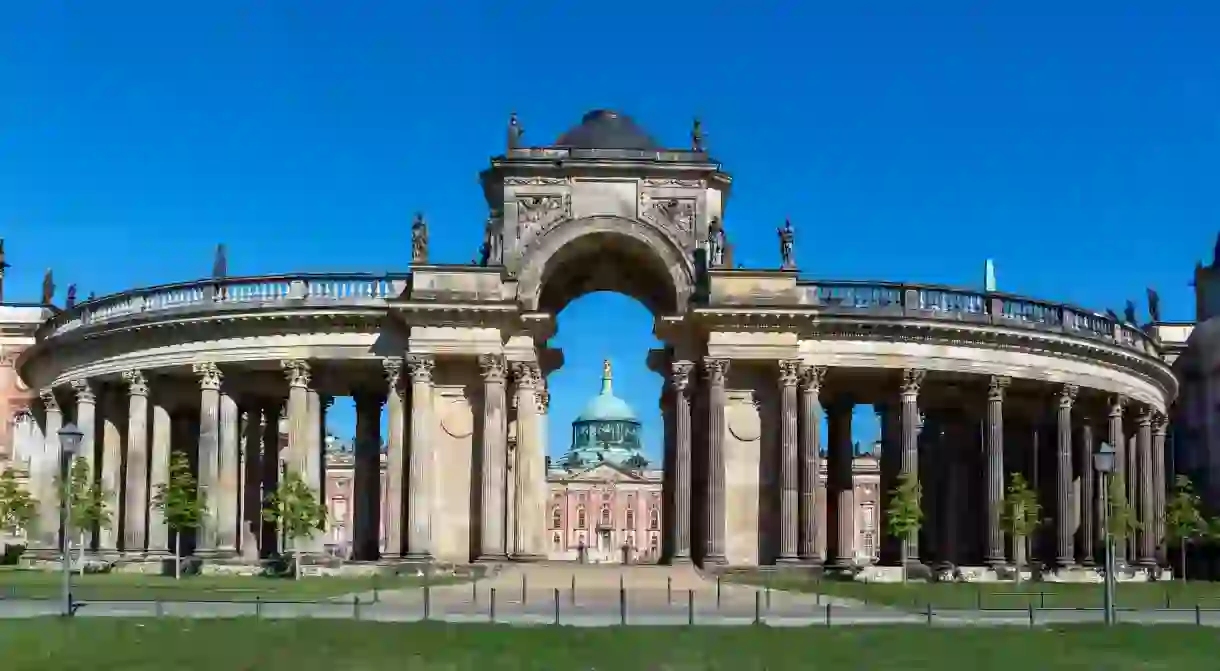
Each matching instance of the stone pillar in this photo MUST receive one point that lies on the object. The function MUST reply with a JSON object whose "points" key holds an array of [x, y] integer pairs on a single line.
{"points": [[789, 465], [135, 506], [681, 514], [111, 447], [1117, 479], [912, 380], [1147, 504], [419, 514], [1159, 429], [1088, 502], [228, 463], [395, 458], [312, 471], [995, 556], [531, 466], [493, 455], [158, 476], [840, 490], [86, 421], [367, 476], [273, 463], [810, 457], [251, 517], [299, 434], [48, 502], [715, 371], [1065, 551], [209, 455]]}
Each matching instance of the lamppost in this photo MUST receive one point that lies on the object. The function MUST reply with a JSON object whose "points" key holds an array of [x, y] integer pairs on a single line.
{"points": [[69, 445], [1103, 463]]}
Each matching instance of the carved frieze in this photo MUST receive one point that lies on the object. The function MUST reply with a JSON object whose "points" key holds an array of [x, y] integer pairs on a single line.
{"points": [[537, 214], [535, 181], [666, 181], [673, 214]]}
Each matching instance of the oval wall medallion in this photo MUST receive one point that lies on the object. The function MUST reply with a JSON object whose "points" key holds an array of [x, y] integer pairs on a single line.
{"points": [[743, 422], [456, 419]]}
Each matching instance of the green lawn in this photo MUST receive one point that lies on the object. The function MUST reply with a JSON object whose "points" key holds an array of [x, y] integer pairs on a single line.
{"points": [[304, 645], [119, 586], [999, 595]]}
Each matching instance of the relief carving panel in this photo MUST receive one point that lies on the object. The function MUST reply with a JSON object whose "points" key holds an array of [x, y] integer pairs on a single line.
{"points": [[536, 214], [676, 215]]}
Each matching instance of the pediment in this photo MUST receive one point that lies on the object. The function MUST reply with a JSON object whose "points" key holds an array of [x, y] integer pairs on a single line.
{"points": [[604, 473]]}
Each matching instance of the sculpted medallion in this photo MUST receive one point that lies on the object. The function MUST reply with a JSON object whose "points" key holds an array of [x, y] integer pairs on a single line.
{"points": [[674, 214], [537, 214]]}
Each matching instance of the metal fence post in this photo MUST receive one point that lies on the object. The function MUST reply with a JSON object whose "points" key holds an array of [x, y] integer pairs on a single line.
{"points": [[717, 592], [427, 601], [622, 604], [159, 609], [757, 607], [356, 607], [376, 589], [524, 589], [828, 615], [690, 607], [258, 606], [669, 590], [573, 589], [1198, 616], [491, 606], [1031, 614], [556, 605], [474, 592], [928, 612]]}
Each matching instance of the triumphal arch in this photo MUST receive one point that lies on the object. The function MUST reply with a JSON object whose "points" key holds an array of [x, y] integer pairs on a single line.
{"points": [[970, 385]]}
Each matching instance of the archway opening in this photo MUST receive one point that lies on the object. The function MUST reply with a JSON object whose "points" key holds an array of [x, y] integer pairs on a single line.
{"points": [[608, 262]]}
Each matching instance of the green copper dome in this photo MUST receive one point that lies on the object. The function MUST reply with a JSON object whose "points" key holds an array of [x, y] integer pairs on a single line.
{"points": [[606, 407], [606, 432]]}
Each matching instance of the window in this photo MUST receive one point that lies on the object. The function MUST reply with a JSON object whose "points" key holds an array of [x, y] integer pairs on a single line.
{"points": [[555, 542], [631, 540], [338, 506], [580, 518], [605, 515], [654, 518], [870, 545], [653, 545], [556, 517], [630, 518]]}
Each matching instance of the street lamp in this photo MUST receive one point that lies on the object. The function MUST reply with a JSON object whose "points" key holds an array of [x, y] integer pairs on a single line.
{"points": [[69, 445], [1103, 463]]}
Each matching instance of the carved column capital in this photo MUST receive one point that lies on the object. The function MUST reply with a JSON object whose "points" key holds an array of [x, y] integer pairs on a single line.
{"points": [[49, 402], [493, 368], [525, 374], [996, 387], [1160, 424], [1144, 418], [679, 375], [137, 384], [715, 370], [812, 378], [420, 366], [392, 368], [789, 372], [543, 397], [83, 390], [297, 372], [1067, 396], [209, 375], [912, 381], [1116, 405]]}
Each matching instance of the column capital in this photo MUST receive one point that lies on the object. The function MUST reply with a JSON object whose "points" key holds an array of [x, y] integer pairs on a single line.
{"points": [[137, 384], [912, 381], [525, 374], [420, 367], [1117, 401], [715, 370], [1160, 424], [493, 367], [297, 372], [679, 375], [812, 378], [209, 375], [789, 372], [392, 367], [996, 387], [83, 390], [1144, 418], [49, 402], [1067, 396]]}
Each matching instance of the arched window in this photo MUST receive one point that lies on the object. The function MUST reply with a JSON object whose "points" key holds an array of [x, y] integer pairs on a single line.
{"points": [[556, 517], [630, 518], [580, 517], [605, 516], [654, 519]]}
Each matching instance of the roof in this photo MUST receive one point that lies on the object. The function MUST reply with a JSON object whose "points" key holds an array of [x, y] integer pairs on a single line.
{"points": [[606, 407], [607, 129]]}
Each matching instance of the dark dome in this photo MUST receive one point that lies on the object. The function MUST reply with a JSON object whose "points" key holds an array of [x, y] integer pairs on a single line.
{"points": [[606, 129]]}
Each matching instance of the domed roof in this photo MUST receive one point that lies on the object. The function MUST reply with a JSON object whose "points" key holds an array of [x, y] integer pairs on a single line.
{"points": [[607, 129], [606, 407]]}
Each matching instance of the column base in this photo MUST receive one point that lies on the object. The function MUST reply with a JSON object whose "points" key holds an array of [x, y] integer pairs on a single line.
{"points": [[684, 560], [715, 560], [491, 558], [528, 558], [418, 557], [790, 560]]}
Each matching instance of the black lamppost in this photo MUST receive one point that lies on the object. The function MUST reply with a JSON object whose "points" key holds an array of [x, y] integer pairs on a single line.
{"points": [[69, 444], [1103, 463]]}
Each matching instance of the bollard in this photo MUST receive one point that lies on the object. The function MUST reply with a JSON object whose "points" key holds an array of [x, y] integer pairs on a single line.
{"points": [[573, 593], [1167, 601], [1198, 616], [376, 589], [159, 609], [717, 592], [556, 605], [491, 606], [669, 590], [622, 605], [427, 601], [474, 592], [768, 593], [817, 597], [827, 615], [928, 612], [690, 607], [1041, 599], [1031, 614], [258, 606], [356, 607], [524, 589], [757, 607]]}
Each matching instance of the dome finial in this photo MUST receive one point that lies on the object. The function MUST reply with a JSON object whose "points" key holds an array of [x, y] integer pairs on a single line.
{"points": [[607, 378]]}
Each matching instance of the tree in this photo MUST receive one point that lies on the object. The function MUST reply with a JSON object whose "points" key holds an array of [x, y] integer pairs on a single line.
{"points": [[1123, 521], [904, 515], [1021, 516], [87, 509], [182, 502], [295, 508], [17, 507], [1183, 521]]}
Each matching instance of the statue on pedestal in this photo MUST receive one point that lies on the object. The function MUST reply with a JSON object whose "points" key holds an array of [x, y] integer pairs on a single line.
{"points": [[515, 131], [716, 243], [1129, 313], [1154, 305], [787, 246], [419, 239], [48, 288], [220, 263], [70, 301], [696, 136], [492, 251]]}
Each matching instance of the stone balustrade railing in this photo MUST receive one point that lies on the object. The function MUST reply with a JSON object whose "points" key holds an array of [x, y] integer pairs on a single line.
{"points": [[964, 305], [230, 293]]}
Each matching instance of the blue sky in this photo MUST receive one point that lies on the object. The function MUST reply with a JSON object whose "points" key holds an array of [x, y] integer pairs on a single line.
{"points": [[1078, 146]]}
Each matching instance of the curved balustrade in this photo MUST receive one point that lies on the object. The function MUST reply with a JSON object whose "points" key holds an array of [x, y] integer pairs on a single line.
{"points": [[232, 292], [938, 302]]}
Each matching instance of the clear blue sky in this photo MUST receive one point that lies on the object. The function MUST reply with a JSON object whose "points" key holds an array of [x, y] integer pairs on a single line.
{"points": [[1078, 146]]}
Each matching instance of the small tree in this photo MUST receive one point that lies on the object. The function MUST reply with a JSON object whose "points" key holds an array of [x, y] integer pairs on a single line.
{"points": [[17, 507], [1123, 521], [295, 508], [87, 509], [1021, 516], [1183, 521], [904, 515], [182, 502]]}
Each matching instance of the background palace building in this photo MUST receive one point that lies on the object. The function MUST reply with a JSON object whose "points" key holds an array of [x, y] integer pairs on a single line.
{"points": [[970, 387]]}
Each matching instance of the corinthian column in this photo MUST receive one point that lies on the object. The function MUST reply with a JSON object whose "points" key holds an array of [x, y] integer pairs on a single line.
{"points": [[493, 455], [1118, 478], [810, 456], [1147, 505], [680, 381], [135, 506], [228, 466], [912, 380], [395, 458], [1065, 551], [995, 469], [716, 371], [48, 501], [162, 430], [789, 465], [531, 465], [419, 515], [86, 421], [298, 373], [1159, 428], [209, 453], [1088, 507]]}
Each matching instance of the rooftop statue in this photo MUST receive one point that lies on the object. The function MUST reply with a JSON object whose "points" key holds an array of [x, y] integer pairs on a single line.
{"points": [[988, 276], [220, 263], [696, 136], [492, 251], [787, 244], [716, 242], [515, 131], [70, 301], [1129, 313], [48, 287], [419, 239], [1154, 305]]}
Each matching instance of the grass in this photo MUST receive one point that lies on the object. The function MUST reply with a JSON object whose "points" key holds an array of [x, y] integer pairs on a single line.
{"points": [[999, 595], [15, 584], [305, 645]]}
